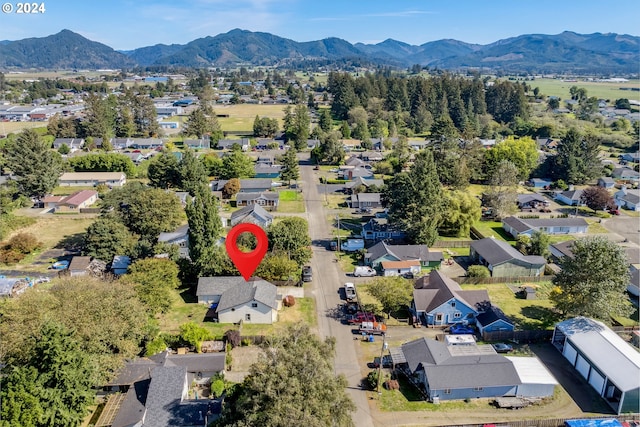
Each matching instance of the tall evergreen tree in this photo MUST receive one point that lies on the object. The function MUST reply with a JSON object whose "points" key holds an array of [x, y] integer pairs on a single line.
{"points": [[191, 172], [163, 171], [577, 159], [100, 117], [414, 200], [37, 166], [205, 228], [290, 170]]}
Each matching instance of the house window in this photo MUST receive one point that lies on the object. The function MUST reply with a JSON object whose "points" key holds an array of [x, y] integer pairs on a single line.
{"points": [[477, 389], [453, 304], [438, 317], [457, 315], [254, 305], [446, 391], [247, 317]]}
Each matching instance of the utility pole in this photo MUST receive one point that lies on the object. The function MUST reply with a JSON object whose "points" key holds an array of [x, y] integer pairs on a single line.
{"points": [[338, 247], [384, 347]]}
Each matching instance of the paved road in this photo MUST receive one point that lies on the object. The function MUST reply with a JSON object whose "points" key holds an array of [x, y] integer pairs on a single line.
{"points": [[327, 280]]}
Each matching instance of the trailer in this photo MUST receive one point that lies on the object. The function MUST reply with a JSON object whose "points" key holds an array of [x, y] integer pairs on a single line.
{"points": [[373, 328]]}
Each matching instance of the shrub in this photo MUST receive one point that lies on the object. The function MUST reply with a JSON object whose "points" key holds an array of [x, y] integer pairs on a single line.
{"points": [[372, 380], [156, 346], [9, 256], [478, 271], [232, 336], [228, 359], [246, 342], [217, 387], [24, 243]]}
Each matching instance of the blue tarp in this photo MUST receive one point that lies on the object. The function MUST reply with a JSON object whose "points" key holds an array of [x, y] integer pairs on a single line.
{"points": [[593, 423]]}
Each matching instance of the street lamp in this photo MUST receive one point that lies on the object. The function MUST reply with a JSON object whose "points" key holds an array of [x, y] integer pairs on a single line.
{"points": [[384, 347]]}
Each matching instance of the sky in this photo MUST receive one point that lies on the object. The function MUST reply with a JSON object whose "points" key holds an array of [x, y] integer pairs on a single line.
{"points": [[130, 24]]}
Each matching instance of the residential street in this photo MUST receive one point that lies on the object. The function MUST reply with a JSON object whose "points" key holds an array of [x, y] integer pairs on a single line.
{"points": [[327, 279]]}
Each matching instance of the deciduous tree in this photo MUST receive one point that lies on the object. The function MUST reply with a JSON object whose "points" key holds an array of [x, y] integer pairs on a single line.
{"points": [[107, 237], [594, 280], [294, 369], [237, 165], [522, 152], [290, 236], [461, 211], [153, 280], [597, 198], [393, 293], [502, 195]]}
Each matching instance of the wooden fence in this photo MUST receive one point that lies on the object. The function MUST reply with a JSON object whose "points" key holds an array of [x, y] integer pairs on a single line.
{"points": [[528, 336], [452, 244], [490, 280], [555, 422]]}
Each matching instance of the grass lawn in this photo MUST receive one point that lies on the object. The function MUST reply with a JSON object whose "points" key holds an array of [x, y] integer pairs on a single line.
{"points": [[186, 309], [635, 214], [595, 227], [65, 191], [242, 116], [604, 90], [348, 261], [526, 314], [291, 201], [456, 251], [493, 228], [335, 201]]}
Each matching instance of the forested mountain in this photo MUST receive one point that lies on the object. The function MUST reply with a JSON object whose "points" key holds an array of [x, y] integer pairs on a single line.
{"points": [[565, 52], [64, 50]]}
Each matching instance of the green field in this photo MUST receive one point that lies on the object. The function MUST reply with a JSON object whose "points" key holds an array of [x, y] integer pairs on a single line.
{"points": [[601, 90], [291, 201]]}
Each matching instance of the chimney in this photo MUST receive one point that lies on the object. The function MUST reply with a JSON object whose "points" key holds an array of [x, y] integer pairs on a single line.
{"points": [[571, 187]]}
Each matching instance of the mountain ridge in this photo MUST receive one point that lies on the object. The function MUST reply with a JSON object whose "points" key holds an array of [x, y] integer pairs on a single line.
{"points": [[564, 52]]}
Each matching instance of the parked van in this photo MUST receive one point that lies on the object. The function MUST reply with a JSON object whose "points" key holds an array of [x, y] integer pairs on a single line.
{"points": [[352, 245], [365, 272]]}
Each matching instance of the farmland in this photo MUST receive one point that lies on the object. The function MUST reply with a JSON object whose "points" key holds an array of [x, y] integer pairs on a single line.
{"points": [[601, 90]]}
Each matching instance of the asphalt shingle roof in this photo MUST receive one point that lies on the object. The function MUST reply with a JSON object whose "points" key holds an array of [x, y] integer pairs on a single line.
{"points": [[496, 252], [403, 252], [255, 290], [444, 370], [436, 289], [248, 210]]}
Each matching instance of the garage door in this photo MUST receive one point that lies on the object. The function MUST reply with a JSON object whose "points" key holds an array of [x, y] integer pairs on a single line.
{"points": [[596, 380], [570, 353], [583, 367]]}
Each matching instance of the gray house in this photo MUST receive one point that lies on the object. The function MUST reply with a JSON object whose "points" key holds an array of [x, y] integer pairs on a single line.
{"points": [[503, 260], [570, 197], [254, 214], [232, 299], [179, 237], [626, 174], [255, 185], [608, 363], [362, 182], [628, 199], [154, 391], [517, 226], [365, 200], [269, 199], [452, 371]]}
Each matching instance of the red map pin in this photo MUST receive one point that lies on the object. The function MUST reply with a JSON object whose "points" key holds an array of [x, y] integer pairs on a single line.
{"points": [[246, 262]]}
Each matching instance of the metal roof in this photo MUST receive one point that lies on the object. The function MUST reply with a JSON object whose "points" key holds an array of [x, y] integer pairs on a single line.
{"points": [[532, 371]]}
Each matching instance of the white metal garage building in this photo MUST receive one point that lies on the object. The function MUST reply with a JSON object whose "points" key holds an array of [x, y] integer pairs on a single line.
{"points": [[606, 361]]}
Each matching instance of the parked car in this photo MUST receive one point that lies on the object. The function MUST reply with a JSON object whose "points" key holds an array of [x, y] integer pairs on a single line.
{"points": [[350, 291], [502, 347], [461, 328], [364, 210], [307, 274], [386, 362], [364, 272], [408, 275]]}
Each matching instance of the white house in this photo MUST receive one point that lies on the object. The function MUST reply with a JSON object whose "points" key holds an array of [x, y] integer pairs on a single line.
{"points": [[91, 179], [570, 197], [398, 268], [517, 226], [232, 299], [628, 199]]}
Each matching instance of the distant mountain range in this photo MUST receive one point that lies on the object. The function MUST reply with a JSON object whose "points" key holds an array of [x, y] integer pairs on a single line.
{"points": [[566, 52]]}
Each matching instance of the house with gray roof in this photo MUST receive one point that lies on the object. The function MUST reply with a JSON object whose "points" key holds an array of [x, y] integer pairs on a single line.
{"points": [[466, 370], [269, 199], [517, 226], [178, 237], [439, 301], [570, 197], [154, 391], [626, 174], [226, 144], [73, 143], [381, 252], [531, 201], [232, 299], [254, 214], [380, 229], [365, 200], [606, 182], [609, 364], [503, 260], [628, 199], [362, 182], [255, 185], [196, 144], [492, 319]]}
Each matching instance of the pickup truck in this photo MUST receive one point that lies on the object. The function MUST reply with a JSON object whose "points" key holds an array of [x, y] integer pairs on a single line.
{"points": [[373, 328], [307, 273], [350, 291], [358, 318]]}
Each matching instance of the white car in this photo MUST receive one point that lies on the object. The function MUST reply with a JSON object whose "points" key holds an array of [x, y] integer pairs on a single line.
{"points": [[364, 272]]}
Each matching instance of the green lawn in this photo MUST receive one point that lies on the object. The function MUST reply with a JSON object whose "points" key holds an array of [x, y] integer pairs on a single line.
{"points": [[335, 201], [526, 314], [603, 90], [186, 309], [493, 228], [291, 201]]}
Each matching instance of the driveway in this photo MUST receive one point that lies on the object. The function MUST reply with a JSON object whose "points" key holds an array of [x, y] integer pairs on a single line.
{"points": [[327, 280], [627, 227]]}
